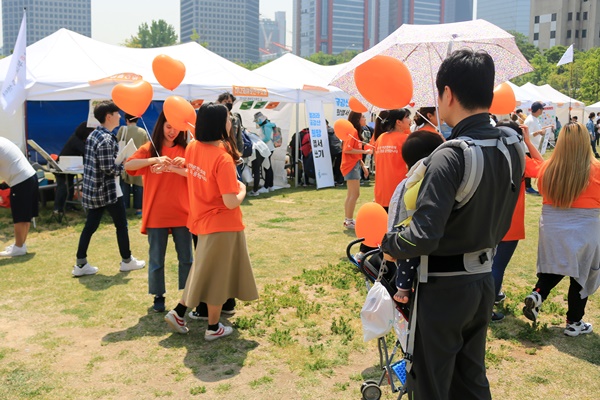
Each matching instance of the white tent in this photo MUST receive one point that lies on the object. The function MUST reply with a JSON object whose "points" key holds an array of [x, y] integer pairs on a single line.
{"points": [[593, 108], [70, 66], [561, 102]]}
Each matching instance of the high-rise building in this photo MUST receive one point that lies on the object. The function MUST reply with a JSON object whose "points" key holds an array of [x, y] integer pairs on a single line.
{"points": [[44, 18], [271, 40], [330, 26], [231, 28], [458, 11], [565, 22], [510, 15]]}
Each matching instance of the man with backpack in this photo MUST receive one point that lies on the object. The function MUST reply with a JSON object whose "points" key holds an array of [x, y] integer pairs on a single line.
{"points": [[453, 300], [227, 99]]}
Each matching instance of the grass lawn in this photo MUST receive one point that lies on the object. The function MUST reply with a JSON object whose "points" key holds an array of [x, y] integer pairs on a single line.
{"points": [[96, 337]]}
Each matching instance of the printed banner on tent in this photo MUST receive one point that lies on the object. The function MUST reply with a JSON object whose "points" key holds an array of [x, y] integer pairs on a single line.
{"points": [[320, 143], [341, 109]]}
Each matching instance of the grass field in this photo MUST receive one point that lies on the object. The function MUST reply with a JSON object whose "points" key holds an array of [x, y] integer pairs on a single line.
{"points": [[96, 337]]}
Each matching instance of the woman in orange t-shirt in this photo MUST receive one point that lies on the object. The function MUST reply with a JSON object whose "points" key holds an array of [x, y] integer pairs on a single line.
{"points": [[352, 163], [221, 268], [426, 118], [569, 227], [391, 167], [506, 248], [161, 164]]}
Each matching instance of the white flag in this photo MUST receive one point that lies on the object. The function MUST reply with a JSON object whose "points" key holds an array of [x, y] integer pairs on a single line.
{"points": [[567, 57], [13, 87]]}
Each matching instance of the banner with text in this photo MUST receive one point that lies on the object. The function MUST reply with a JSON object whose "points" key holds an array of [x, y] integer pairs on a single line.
{"points": [[320, 144]]}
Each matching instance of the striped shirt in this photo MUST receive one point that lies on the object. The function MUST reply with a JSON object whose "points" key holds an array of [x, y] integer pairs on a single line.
{"points": [[99, 169]]}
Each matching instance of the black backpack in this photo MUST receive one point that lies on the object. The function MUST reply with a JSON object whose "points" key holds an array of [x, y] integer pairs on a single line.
{"points": [[247, 150]]}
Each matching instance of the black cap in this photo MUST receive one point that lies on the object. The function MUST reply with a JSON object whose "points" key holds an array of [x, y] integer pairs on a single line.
{"points": [[537, 105]]}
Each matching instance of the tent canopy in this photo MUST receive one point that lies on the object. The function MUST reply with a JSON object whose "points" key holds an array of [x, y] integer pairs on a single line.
{"points": [[70, 66]]}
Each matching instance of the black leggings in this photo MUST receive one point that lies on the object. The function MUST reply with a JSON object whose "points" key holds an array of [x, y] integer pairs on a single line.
{"points": [[547, 282], [256, 170]]}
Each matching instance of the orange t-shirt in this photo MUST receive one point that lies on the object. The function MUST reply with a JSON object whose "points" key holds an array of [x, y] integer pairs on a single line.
{"points": [[350, 160], [590, 197], [391, 168], [211, 174], [166, 200], [517, 224]]}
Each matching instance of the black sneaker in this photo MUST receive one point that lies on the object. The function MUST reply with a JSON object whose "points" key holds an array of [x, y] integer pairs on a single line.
{"points": [[159, 304], [497, 316], [500, 297]]}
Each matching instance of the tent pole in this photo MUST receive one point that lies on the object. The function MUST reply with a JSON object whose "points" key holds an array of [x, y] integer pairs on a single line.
{"points": [[297, 144]]}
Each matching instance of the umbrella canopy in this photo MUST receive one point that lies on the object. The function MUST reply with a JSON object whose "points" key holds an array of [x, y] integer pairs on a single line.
{"points": [[423, 48]]}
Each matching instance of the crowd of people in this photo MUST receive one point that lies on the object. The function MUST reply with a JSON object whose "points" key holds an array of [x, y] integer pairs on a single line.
{"points": [[451, 234]]}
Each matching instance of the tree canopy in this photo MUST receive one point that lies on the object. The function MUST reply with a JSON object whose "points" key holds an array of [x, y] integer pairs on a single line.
{"points": [[158, 34]]}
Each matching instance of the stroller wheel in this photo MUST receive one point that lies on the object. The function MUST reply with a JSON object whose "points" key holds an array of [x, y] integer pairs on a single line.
{"points": [[370, 391]]}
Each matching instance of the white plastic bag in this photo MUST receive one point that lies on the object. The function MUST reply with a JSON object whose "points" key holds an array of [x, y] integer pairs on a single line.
{"points": [[378, 313], [247, 175]]}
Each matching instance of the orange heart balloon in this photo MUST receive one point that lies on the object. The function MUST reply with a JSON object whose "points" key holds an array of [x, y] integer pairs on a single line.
{"points": [[133, 98], [356, 105], [180, 113], [342, 128], [371, 224], [168, 71], [385, 82], [504, 101]]}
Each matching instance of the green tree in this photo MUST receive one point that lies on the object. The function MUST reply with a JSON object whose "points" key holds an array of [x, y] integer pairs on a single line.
{"points": [[195, 37], [332, 59], [527, 49], [158, 34]]}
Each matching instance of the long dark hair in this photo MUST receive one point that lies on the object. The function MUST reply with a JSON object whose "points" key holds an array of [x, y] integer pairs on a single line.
{"points": [[395, 115], [158, 135], [354, 118], [379, 122], [211, 125], [419, 120]]}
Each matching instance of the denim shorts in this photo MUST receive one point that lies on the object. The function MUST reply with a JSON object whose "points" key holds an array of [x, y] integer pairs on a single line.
{"points": [[354, 174]]}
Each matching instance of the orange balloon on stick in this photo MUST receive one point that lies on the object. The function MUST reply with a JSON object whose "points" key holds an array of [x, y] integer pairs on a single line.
{"points": [[133, 98], [180, 113], [384, 82], [356, 105], [168, 71], [504, 101], [342, 128], [371, 223]]}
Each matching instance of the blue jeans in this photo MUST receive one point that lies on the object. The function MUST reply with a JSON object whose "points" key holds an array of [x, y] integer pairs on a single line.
{"points": [[138, 194], [92, 221], [504, 253], [158, 239]]}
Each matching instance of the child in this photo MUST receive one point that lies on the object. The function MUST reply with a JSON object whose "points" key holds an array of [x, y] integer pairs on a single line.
{"points": [[419, 145]]}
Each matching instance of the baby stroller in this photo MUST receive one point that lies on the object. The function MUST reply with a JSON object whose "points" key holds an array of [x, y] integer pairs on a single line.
{"points": [[370, 265]]}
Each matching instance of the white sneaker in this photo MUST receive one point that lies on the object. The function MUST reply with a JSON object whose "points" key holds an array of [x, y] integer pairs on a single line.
{"points": [[252, 193], [178, 324], [132, 265], [533, 302], [87, 269], [271, 189], [14, 251], [263, 190], [577, 328], [219, 333]]}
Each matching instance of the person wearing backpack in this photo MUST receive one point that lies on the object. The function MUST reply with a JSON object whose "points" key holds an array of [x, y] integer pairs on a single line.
{"points": [[267, 128], [335, 149], [456, 240]]}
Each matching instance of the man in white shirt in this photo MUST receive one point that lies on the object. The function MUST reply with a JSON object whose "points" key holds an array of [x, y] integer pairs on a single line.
{"points": [[536, 133]]}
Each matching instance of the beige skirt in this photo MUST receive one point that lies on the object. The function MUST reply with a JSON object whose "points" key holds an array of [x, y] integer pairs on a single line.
{"points": [[221, 270]]}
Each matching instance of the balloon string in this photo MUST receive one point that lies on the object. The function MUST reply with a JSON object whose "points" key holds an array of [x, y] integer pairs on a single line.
{"points": [[365, 144], [149, 137], [189, 131], [431, 123]]}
